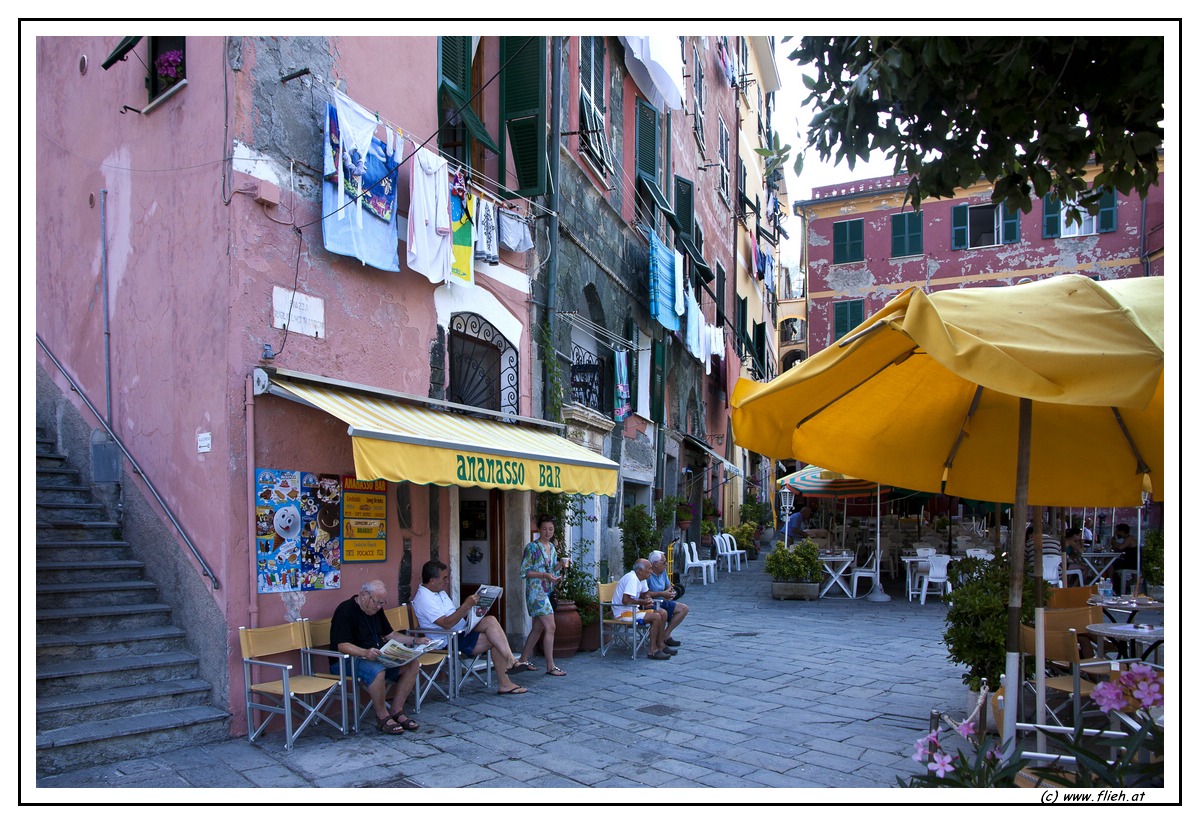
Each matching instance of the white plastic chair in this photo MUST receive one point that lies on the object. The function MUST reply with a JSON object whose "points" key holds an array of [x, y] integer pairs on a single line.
{"points": [[938, 573], [979, 552], [692, 561], [1052, 569], [867, 571], [727, 549]]}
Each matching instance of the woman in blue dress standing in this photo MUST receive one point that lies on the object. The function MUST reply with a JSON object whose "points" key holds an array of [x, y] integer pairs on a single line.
{"points": [[540, 567]]}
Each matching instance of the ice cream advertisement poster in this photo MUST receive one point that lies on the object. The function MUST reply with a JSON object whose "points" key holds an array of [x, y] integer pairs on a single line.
{"points": [[298, 532], [364, 507]]}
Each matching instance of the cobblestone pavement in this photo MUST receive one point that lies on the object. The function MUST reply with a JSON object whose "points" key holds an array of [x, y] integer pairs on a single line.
{"points": [[763, 694]]}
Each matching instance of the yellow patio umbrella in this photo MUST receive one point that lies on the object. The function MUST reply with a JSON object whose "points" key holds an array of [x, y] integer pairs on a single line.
{"points": [[1052, 388]]}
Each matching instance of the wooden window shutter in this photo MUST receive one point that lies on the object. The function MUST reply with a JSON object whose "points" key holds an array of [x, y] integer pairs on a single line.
{"points": [[683, 205], [959, 237], [523, 115], [1051, 217], [1106, 219], [631, 361], [454, 60], [647, 140], [1011, 225], [658, 380], [847, 314], [899, 235]]}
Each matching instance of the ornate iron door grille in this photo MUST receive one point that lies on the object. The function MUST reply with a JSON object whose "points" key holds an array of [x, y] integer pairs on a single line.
{"points": [[483, 365]]}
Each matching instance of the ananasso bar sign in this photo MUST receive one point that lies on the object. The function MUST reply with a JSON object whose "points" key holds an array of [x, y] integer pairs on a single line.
{"points": [[476, 469]]}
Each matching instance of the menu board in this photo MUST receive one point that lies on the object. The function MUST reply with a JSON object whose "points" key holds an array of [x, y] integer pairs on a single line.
{"points": [[298, 532], [364, 520]]}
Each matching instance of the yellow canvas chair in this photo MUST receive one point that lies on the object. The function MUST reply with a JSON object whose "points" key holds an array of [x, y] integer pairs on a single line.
{"points": [[319, 638], [437, 667], [1070, 596], [1062, 654], [618, 624], [291, 694]]}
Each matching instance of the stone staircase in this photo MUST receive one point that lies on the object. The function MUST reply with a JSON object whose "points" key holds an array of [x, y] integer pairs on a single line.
{"points": [[114, 677]]}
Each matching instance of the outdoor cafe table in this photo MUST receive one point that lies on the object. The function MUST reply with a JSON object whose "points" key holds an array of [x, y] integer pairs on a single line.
{"points": [[1148, 636], [1128, 607], [1098, 564], [911, 572], [836, 566]]}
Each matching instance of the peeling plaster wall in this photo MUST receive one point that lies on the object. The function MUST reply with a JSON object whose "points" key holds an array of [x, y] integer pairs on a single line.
{"points": [[880, 277]]}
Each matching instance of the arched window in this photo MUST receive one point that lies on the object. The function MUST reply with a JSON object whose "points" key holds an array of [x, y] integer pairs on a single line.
{"points": [[483, 365]]}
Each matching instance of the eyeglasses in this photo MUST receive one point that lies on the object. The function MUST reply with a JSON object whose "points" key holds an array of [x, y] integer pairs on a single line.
{"points": [[376, 601]]}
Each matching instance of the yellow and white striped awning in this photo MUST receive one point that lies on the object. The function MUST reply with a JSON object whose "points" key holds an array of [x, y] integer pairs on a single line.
{"points": [[397, 441]]}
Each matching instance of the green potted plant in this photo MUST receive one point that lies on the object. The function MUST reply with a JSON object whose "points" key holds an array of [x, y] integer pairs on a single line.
{"points": [[1152, 562], [707, 530], [743, 534], [580, 584], [977, 618], [709, 509], [639, 536], [795, 571]]}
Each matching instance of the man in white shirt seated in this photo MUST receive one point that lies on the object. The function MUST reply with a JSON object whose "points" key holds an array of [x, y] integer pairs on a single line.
{"points": [[632, 601], [434, 608], [659, 586]]}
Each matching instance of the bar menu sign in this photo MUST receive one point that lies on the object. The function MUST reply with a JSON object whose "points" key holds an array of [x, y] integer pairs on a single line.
{"points": [[364, 520]]}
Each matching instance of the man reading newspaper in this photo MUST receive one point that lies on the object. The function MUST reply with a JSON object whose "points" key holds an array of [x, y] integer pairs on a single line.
{"points": [[477, 633], [360, 628]]}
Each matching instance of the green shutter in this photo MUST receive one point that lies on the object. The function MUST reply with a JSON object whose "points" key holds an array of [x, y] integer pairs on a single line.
{"points": [[1010, 231], [523, 115], [631, 332], [1106, 220], [647, 140], [1051, 217], [454, 63], [899, 235], [916, 234], [683, 205], [657, 380], [848, 241], [840, 324], [598, 73], [958, 237]]}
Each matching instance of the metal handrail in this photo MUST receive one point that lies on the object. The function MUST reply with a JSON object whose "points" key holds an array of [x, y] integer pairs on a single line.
{"points": [[136, 467]]}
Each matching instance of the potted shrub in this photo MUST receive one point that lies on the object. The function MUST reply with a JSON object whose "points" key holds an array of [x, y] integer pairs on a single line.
{"points": [[707, 530], [795, 571], [685, 513], [1152, 562], [580, 585], [977, 618], [639, 537], [709, 509], [743, 534]]}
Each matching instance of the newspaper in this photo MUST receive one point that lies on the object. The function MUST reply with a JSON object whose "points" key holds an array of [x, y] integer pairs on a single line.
{"points": [[395, 654], [488, 595]]}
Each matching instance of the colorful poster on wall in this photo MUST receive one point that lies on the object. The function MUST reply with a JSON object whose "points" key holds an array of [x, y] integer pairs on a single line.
{"points": [[364, 520], [321, 541], [278, 527]]}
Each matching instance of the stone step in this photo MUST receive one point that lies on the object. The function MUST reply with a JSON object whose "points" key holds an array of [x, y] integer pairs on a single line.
{"points": [[85, 674], [95, 593], [67, 529], [63, 493], [77, 510], [56, 475], [133, 736], [86, 619], [66, 572], [54, 648], [70, 709], [59, 549]]}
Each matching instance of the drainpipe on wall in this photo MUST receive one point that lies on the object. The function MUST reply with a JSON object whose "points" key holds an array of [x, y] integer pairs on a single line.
{"points": [[1143, 255], [552, 203], [252, 514]]}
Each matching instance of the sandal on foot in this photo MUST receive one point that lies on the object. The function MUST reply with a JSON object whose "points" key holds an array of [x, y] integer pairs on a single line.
{"points": [[555, 671], [515, 690], [522, 666], [389, 725], [405, 722]]}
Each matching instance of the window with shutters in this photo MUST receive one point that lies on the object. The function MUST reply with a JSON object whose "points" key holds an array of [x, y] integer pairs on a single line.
{"points": [[697, 97], [906, 234], [1058, 220], [720, 293], [986, 225], [523, 116], [758, 368], [848, 241], [683, 206], [741, 335], [723, 158], [648, 143], [592, 128], [847, 314], [454, 90]]}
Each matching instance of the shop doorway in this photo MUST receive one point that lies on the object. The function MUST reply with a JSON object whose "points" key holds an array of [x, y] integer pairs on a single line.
{"points": [[481, 555]]}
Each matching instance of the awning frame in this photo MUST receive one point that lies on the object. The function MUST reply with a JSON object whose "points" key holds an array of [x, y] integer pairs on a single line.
{"points": [[730, 467]]}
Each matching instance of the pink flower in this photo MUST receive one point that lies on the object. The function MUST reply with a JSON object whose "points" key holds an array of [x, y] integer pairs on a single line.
{"points": [[941, 764], [1109, 696], [1149, 693], [966, 729], [925, 746]]}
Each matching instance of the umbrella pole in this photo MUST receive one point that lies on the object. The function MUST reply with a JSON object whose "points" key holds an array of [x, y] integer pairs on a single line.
{"points": [[877, 594], [1039, 630], [1016, 582]]}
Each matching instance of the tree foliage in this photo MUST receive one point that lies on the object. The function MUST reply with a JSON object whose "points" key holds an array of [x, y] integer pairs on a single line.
{"points": [[1027, 114]]}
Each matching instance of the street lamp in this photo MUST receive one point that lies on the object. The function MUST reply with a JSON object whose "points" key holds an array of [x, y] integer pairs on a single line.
{"points": [[786, 499]]}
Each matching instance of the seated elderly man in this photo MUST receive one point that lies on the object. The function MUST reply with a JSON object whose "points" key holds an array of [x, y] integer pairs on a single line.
{"points": [[435, 609], [359, 628], [632, 593], [659, 586]]}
